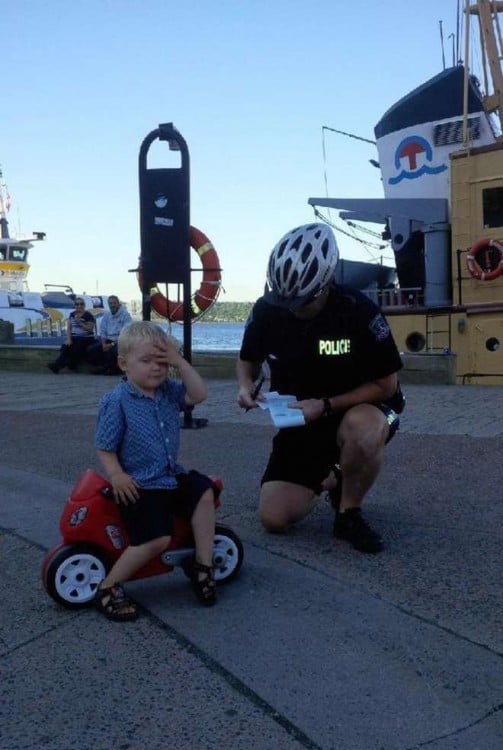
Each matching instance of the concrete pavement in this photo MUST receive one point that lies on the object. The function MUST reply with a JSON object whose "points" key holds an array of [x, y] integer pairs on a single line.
{"points": [[314, 645], [474, 411]]}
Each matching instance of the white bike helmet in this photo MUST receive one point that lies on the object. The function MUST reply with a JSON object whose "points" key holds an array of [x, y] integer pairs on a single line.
{"points": [[301, 264]]}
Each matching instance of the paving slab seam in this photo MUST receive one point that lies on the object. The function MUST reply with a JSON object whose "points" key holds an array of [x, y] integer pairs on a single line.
{"points": [[492, 712], [234, 682], [321, 572], [398, 607], [30, 542], [20, 646]]}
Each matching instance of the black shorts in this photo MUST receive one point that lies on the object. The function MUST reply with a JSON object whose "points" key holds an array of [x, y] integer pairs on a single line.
{"points": [[306, 455], [151, 516]]}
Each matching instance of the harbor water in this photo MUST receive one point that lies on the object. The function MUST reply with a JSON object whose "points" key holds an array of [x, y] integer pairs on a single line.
{"points": [[206, 337], [211, 337]]}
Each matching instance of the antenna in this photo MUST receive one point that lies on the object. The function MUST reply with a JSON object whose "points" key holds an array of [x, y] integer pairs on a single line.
{"points": [[451, 36], [442, 43], [458, 30]]}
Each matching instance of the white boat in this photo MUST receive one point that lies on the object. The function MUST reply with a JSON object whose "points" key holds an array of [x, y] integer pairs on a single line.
{"points": [[440, 152], [32, 314]]}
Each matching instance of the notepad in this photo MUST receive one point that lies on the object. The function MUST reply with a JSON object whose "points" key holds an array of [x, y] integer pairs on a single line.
{"points": [[281, 415]]}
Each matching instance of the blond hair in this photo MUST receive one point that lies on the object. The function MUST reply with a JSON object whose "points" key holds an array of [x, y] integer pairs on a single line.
{"points": [[140, 331]]}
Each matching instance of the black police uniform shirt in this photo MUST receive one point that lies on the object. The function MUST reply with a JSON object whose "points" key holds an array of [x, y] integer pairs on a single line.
{"points": [[347, 344]]}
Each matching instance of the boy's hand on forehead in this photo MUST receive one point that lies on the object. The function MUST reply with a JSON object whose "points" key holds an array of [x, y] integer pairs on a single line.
{"points": [[168, 354]]}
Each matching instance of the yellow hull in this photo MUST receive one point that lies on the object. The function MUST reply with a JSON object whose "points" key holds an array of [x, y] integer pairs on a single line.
{"points": [[473, 337]]}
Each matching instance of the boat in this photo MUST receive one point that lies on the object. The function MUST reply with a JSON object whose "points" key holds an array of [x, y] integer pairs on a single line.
{"points": [[32, 315], [440, 154]]}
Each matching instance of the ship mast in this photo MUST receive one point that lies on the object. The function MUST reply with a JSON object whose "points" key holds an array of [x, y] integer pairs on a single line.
{"points": [[492, 53], [4, 224]]}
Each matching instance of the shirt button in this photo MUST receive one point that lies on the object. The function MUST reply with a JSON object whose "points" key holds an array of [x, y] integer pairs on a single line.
{"points": [[162, 424]]}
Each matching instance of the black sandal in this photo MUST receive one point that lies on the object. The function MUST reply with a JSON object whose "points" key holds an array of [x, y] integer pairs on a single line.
{"points": [[205, 588], [114, 604]]}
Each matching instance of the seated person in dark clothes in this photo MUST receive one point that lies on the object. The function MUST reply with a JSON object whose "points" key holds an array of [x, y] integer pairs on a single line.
{"points": [[80, 329]]}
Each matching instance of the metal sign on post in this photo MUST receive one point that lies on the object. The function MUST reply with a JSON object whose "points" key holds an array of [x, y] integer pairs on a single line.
{"points": [[164, 213], [165, 232]]}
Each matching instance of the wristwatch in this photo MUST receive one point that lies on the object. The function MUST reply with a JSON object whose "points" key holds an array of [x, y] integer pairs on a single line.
{"points": [[327, 408]]}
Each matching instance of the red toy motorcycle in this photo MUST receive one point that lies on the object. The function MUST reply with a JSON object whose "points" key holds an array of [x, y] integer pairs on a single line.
{"points": [[94, 538]]}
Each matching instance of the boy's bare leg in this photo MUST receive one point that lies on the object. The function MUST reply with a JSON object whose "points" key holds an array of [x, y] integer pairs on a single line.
{"points": [[203, 527], [133, 558]]}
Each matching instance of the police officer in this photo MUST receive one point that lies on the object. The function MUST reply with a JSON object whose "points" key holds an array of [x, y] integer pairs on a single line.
{"points": [[330, 346]]}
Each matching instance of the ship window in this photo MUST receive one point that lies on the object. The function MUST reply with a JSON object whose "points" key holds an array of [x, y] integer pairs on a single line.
{"points": [[18, 253], [492, 207]]}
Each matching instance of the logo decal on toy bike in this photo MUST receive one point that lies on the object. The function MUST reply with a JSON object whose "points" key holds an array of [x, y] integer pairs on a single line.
{"points": [[115, 536], [77, 517], [334, 348]]}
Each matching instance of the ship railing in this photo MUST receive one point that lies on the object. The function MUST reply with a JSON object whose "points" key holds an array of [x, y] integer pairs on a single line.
{"points": [[401, 297]]}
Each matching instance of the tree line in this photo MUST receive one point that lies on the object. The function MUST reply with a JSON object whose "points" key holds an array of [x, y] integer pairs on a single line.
{"points": [[220, 312]]}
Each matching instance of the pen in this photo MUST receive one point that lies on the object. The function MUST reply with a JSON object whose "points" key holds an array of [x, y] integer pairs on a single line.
{"points": [[256, 390]]}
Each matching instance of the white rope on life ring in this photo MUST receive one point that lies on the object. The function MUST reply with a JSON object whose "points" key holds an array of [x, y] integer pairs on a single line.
{"points": [[208, 291], [478, 269]]}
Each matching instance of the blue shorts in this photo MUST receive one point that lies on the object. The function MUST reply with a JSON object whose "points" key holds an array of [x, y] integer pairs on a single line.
{"points": [[306, 455], [151, 516]]}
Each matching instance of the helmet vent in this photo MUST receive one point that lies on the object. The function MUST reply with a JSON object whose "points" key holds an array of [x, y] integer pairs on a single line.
{"points": [[306, 252], [302, 262]]}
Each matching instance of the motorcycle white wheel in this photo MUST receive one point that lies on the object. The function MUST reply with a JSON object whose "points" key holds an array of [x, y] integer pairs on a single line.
{"points": [[228, 554], [73, 575]]}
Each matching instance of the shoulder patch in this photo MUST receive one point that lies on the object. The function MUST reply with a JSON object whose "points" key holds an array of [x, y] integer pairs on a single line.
{"points": [[379, 328]]}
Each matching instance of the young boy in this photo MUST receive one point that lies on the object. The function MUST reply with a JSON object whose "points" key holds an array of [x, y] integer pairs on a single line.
{"points": [[137, 440]]}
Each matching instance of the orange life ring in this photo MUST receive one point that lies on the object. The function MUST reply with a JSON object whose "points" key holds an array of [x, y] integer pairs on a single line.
{"points": [[493, 267], [209, 288]]}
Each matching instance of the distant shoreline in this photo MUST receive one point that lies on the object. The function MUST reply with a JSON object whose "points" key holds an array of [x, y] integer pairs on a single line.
{"points": [[220, 312]]}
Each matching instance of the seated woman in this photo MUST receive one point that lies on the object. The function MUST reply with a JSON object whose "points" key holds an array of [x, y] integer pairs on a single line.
{"points": [[79, 336]]}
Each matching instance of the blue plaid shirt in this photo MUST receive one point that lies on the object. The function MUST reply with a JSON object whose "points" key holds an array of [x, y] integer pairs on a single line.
{"points": [[144, 432]]}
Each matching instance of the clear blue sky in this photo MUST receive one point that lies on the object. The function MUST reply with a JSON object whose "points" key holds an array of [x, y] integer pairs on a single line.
{"points": [[248, 83]]}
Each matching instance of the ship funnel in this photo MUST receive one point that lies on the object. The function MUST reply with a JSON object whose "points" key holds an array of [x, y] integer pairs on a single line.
{"points": [[415, 138], [417, 134]]}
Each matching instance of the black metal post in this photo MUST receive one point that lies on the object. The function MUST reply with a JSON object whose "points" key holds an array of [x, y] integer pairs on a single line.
{"points": [[165, 232]]}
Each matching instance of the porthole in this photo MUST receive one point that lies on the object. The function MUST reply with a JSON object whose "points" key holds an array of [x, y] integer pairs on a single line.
{"points": [[492, 344], [415, 342]]}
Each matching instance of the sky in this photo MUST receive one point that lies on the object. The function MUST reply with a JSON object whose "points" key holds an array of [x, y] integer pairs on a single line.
{"points": [[249, 84]]}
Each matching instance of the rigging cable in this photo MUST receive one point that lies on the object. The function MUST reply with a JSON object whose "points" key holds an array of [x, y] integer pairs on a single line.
{"points": [[351, 235], [325, 174]]}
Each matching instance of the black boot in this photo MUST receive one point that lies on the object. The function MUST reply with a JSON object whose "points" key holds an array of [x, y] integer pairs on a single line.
{"points": [[351, 526]]}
